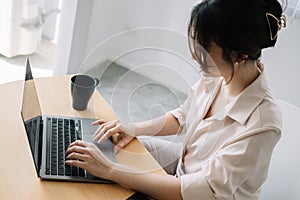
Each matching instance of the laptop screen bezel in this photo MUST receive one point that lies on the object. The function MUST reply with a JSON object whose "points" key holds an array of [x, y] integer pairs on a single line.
{"points": [[36, 147]]}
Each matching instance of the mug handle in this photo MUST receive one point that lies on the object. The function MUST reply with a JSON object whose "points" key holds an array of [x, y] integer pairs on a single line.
{"points": [[96, 81]]}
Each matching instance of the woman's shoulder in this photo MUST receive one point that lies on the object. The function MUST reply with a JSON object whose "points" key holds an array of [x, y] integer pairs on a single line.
{"points": [[270, 113]]}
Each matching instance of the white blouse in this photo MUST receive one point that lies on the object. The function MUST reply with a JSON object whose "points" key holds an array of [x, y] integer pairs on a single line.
{"points": [[227, 155]]}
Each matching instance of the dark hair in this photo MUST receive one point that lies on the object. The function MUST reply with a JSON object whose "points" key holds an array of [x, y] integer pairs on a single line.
{"points": [[239, 27]]}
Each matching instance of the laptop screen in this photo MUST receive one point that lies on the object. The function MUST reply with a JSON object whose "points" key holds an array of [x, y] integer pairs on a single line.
{"points": [[30, 103], [31, 115]]}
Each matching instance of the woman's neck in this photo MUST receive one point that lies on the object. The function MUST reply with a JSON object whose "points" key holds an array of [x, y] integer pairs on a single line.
{"points": [[244, 75]]}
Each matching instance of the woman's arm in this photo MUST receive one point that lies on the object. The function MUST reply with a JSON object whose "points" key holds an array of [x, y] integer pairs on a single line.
{"points": [[161, 126], [164, 125], [89, 157], [154, 185]]}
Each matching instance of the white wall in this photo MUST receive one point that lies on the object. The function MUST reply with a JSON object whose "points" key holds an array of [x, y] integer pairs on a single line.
{"points": [[72, 36], [149, 37], [282, 64], [146, 36], [136, 33]]}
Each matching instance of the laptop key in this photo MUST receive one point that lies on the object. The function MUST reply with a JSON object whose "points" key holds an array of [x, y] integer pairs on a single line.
{"points": [[73, 136], [61, 171], [74, 171], [72, 122], [67, 170], [54, 172], [81, 172]]}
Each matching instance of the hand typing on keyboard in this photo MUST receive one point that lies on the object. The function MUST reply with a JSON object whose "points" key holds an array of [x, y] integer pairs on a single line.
{"points": [[109, 128], [87, 156], [61, 133]]}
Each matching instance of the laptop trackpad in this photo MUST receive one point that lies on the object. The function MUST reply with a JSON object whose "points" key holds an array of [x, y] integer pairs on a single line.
{"points": [[106, 147]]}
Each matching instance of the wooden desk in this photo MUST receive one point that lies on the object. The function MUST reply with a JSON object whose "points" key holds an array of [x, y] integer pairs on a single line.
{"points": [[18, 178]]}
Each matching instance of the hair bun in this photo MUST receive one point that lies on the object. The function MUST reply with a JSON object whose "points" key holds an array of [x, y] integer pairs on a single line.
{"points": [[273, 19], [267, 4]]}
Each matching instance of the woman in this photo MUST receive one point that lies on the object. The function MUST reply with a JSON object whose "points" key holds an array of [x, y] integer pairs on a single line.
{"points": [[230, 120]]}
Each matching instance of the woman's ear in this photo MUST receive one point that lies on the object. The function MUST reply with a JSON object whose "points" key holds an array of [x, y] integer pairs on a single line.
{"points": [[239, 58]]}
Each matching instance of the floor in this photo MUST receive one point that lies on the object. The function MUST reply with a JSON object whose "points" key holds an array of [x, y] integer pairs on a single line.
{"points": [[132, 96]]}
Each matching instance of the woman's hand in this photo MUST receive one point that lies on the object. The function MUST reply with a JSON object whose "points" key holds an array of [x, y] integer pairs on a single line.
{"points": [[109, 128], [87, 156]]}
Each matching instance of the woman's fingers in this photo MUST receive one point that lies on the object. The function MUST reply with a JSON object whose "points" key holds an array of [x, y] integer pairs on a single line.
{"points": [[77, 143], [77, 163], [77, 156], [75, 148], [103, 129], [119, 146], [123, 141], [100, 121], [107, 134], [87, 156]]}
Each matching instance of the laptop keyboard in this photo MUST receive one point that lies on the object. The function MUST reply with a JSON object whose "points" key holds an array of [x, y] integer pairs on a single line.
{"points": [[61, 133]]}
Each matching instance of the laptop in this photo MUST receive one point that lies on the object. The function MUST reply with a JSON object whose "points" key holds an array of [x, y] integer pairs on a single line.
{"points": [[49, 137]]}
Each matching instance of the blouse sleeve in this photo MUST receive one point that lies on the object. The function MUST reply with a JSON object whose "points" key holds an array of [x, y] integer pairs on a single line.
{"points": [[230, 167]]}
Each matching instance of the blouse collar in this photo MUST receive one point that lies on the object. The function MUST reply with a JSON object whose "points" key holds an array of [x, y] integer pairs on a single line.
{"points": [[245, 103]]}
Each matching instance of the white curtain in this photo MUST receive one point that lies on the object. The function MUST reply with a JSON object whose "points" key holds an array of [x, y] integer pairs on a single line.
{"points": [[22, 23]]}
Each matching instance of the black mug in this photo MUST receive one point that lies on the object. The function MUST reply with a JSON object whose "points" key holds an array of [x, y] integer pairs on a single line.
{"points": [[82, 89]]}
